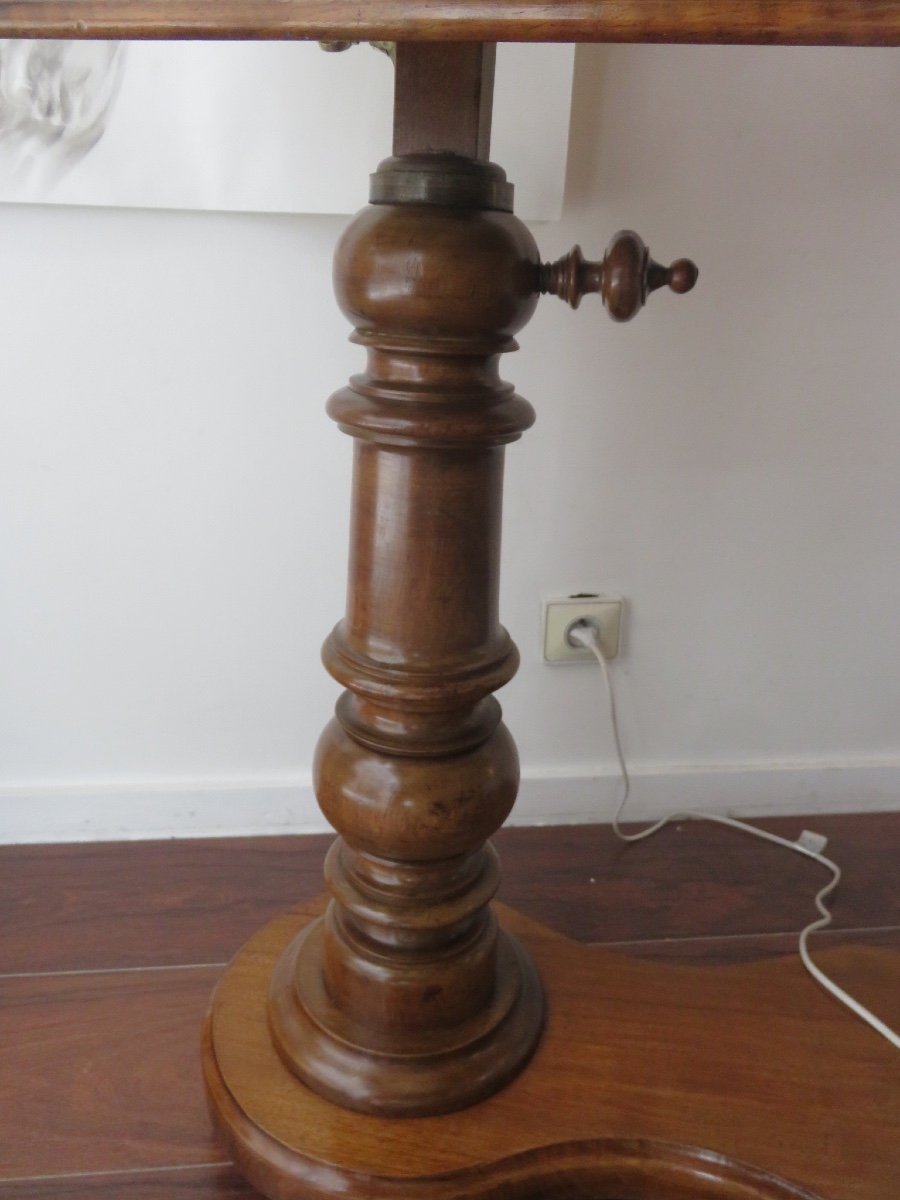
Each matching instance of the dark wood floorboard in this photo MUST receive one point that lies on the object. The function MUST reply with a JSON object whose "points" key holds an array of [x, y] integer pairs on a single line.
{"points": [[699, 879], [205, 1183], [712, 951], [133, 904], [100, 1072], [110, 905]]}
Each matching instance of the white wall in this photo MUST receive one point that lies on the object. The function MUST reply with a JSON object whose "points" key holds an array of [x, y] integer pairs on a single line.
{"points": [[173, 502]]}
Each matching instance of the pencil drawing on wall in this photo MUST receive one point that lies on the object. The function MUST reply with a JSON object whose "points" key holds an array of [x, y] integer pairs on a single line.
{"points": [[242, 126], [55, 100]]}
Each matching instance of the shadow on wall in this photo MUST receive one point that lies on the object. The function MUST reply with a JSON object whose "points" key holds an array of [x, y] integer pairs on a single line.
{"points": [[588, 106]]}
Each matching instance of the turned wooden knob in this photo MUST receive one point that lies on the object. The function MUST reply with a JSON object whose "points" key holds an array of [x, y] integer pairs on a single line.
{"points": [[625, 277]]}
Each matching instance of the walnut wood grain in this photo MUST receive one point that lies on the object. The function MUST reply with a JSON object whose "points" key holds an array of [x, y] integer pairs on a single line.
{"points": [[785, 22], [636, 1057]]}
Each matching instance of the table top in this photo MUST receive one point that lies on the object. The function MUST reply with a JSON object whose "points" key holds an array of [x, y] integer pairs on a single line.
{"points": [[779, 22]]}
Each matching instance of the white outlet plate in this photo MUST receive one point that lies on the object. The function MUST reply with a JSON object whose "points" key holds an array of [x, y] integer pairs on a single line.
{"points": [[604, 612]]}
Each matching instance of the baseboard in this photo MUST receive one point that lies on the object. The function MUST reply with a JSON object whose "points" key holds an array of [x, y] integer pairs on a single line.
{"points": [[209, 808]]}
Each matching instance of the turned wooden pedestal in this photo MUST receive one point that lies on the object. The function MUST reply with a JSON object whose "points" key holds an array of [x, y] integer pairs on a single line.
{"points": [[394, 1041], [402, 1039], [408, 997]]}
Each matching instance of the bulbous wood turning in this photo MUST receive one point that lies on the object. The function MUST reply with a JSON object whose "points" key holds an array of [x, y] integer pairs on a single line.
{"points": [[624, 277], [407, 998]]}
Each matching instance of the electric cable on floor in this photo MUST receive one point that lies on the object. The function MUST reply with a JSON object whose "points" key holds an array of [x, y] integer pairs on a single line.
{"points": [[811, 845]]}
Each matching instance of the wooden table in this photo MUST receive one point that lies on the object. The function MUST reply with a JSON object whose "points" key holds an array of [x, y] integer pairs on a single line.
{"points": [[405, 1039]]}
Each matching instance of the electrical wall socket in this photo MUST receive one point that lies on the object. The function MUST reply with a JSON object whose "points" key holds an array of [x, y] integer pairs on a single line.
{"points": [[604, 612]]}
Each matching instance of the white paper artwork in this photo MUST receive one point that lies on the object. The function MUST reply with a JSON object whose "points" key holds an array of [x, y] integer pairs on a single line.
{"points": [[262, 127]]}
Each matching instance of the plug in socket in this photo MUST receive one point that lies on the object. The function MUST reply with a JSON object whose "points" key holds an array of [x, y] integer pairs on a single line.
{"points": [[605, 613]]}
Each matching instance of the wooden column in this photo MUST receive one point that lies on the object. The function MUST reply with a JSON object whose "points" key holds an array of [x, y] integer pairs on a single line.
{"points": [[407, 998], [443, 98]]}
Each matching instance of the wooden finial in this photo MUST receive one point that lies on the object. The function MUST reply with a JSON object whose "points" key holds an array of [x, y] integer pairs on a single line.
{"points": [[624, 278]]}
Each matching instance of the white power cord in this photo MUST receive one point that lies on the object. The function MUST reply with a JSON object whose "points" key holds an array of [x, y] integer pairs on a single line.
{"points": [[811, 845]]}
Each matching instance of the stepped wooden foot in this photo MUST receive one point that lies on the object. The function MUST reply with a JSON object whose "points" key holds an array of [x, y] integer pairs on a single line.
{"points": [[652, 1082], [431, 1073]]}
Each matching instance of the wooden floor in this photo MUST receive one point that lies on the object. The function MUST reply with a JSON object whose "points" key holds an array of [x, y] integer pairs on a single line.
{"points": [[108, 954]]}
